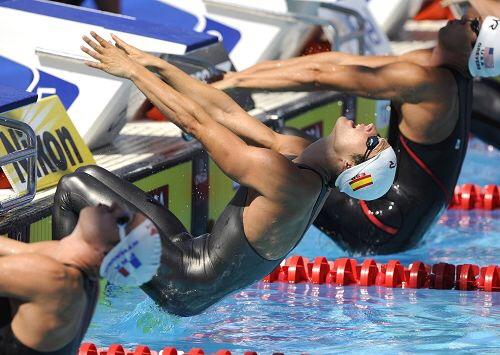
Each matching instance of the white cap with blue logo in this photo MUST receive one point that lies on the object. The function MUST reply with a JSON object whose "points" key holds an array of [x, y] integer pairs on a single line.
{"points": [[136, 258]]}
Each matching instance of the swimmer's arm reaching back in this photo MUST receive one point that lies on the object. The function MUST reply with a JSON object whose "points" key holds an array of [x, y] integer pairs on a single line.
{"points": [[12, 247], [217, 104], [420, 57], [267, 172], [398, 81]]}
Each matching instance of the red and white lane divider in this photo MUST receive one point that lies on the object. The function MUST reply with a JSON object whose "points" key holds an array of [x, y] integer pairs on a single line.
{"points": [[346, 271], [117, 349], [470, 196]]}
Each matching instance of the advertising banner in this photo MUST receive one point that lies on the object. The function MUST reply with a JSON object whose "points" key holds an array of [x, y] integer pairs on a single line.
{"points": [[60, 149]]}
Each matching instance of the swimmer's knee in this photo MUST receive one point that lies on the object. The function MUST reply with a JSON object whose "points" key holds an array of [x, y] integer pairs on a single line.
{"points": [[92, 170], [67, 186], [69, 183]]}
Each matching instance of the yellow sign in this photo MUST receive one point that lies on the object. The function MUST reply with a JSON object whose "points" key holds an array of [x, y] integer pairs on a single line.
{"points": [[60, 148]]}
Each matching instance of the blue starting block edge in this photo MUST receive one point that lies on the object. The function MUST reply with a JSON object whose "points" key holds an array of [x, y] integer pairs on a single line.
{"points": [[191, 39], [11, 98]]}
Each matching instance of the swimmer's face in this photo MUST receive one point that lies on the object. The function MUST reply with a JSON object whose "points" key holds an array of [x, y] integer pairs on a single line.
{"points": [[459, 36], [349, 142], [98, 226]]}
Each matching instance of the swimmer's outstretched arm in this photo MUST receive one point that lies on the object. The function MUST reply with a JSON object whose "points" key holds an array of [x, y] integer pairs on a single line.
{"points": [[420, 57], [235, 158], [217, 104], [398, 81], [12, 247]]}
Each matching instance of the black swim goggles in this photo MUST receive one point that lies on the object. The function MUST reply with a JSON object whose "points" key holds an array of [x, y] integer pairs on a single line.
{"points": [[371, 143]]}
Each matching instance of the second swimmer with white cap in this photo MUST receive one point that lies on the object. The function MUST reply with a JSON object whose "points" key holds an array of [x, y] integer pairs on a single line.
{"points": [[431, 102]]}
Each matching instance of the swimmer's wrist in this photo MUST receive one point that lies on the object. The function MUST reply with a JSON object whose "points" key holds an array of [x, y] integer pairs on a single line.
{"points": [[152, 61], [135, 71]]}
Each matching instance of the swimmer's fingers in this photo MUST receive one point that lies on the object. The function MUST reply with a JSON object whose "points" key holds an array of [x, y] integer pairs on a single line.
{"points": [[121, 43], [100, 40], [93, 44], [91, 53], [139, 56], [95, 65]]}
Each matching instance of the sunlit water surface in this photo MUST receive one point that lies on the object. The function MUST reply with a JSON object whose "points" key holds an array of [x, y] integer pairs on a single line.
{"points": [[326, 319]]}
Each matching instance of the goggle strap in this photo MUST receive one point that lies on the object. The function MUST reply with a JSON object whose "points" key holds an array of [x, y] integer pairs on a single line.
{"points": [[122, 232]]}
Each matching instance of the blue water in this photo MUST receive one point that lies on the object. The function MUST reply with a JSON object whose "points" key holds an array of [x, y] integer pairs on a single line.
{"points": [[326, 319]]}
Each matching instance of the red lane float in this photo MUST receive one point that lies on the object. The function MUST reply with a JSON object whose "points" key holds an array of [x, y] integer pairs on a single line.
{"points": [[117, 349], [347, 271], [470, 196]]}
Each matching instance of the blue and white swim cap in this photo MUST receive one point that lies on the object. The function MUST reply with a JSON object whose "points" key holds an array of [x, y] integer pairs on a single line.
{"points": [[484, 60], [370, 179], [136, 258]]}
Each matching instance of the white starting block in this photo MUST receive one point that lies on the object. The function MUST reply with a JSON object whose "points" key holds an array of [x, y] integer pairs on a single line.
{"points": [[40, 52]]}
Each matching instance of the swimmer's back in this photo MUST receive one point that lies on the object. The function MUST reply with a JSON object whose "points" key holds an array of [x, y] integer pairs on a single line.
{"points": [[197, 272]]}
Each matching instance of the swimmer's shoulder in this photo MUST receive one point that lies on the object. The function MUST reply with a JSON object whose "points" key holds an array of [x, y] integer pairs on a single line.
{"points": [[420, 57], [38, 275]]}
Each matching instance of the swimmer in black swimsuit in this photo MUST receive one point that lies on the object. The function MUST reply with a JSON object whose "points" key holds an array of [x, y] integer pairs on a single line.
{"points": [[48, 290], [276, 203], [431, 98]]}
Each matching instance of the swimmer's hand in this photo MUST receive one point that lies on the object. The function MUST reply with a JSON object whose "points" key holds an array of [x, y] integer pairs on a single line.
{"points": [[229, 81], [110, 58], [143, 58]]}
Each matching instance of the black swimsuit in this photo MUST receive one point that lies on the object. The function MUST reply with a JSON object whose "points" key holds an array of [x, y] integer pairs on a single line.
{"points": [[10, 345], [195, 272], [423, 187]]}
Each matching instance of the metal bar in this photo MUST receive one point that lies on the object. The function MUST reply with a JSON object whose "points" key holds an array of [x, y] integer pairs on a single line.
{"points": [[337, 40], [351, 36], [359, 19], [289, 17], [16, 156], [30, 154]]}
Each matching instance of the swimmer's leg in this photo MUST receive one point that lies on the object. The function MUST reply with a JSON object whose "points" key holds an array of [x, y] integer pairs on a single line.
{"points": [[75, 192], [165, 220]]}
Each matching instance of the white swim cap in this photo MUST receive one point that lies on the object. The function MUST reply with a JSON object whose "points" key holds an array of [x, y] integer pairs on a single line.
{"points": [[136, 258], [485, 57], [370, 179]]}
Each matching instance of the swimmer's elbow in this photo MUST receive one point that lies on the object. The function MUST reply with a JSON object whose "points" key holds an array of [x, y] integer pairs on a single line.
{"points": [[315, 75]]}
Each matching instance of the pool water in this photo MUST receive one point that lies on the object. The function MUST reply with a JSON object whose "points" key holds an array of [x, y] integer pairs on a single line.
{"points": [[324, 319]]}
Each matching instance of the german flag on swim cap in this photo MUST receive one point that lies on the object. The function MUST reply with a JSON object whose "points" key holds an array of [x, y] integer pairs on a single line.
{"points": [[360, 181], [370, 179]]}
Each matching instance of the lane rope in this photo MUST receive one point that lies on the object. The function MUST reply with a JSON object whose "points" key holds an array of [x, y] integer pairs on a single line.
{"points": [[470, 196], [118, 349], [347, 271]]}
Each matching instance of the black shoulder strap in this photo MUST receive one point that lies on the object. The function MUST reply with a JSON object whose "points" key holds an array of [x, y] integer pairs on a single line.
{"points": [[323, 192], [305, 166]]}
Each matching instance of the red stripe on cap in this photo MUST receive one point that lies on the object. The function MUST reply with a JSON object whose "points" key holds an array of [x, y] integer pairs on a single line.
{"points": [[424, 167], [369, 214], [360, 178]]}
